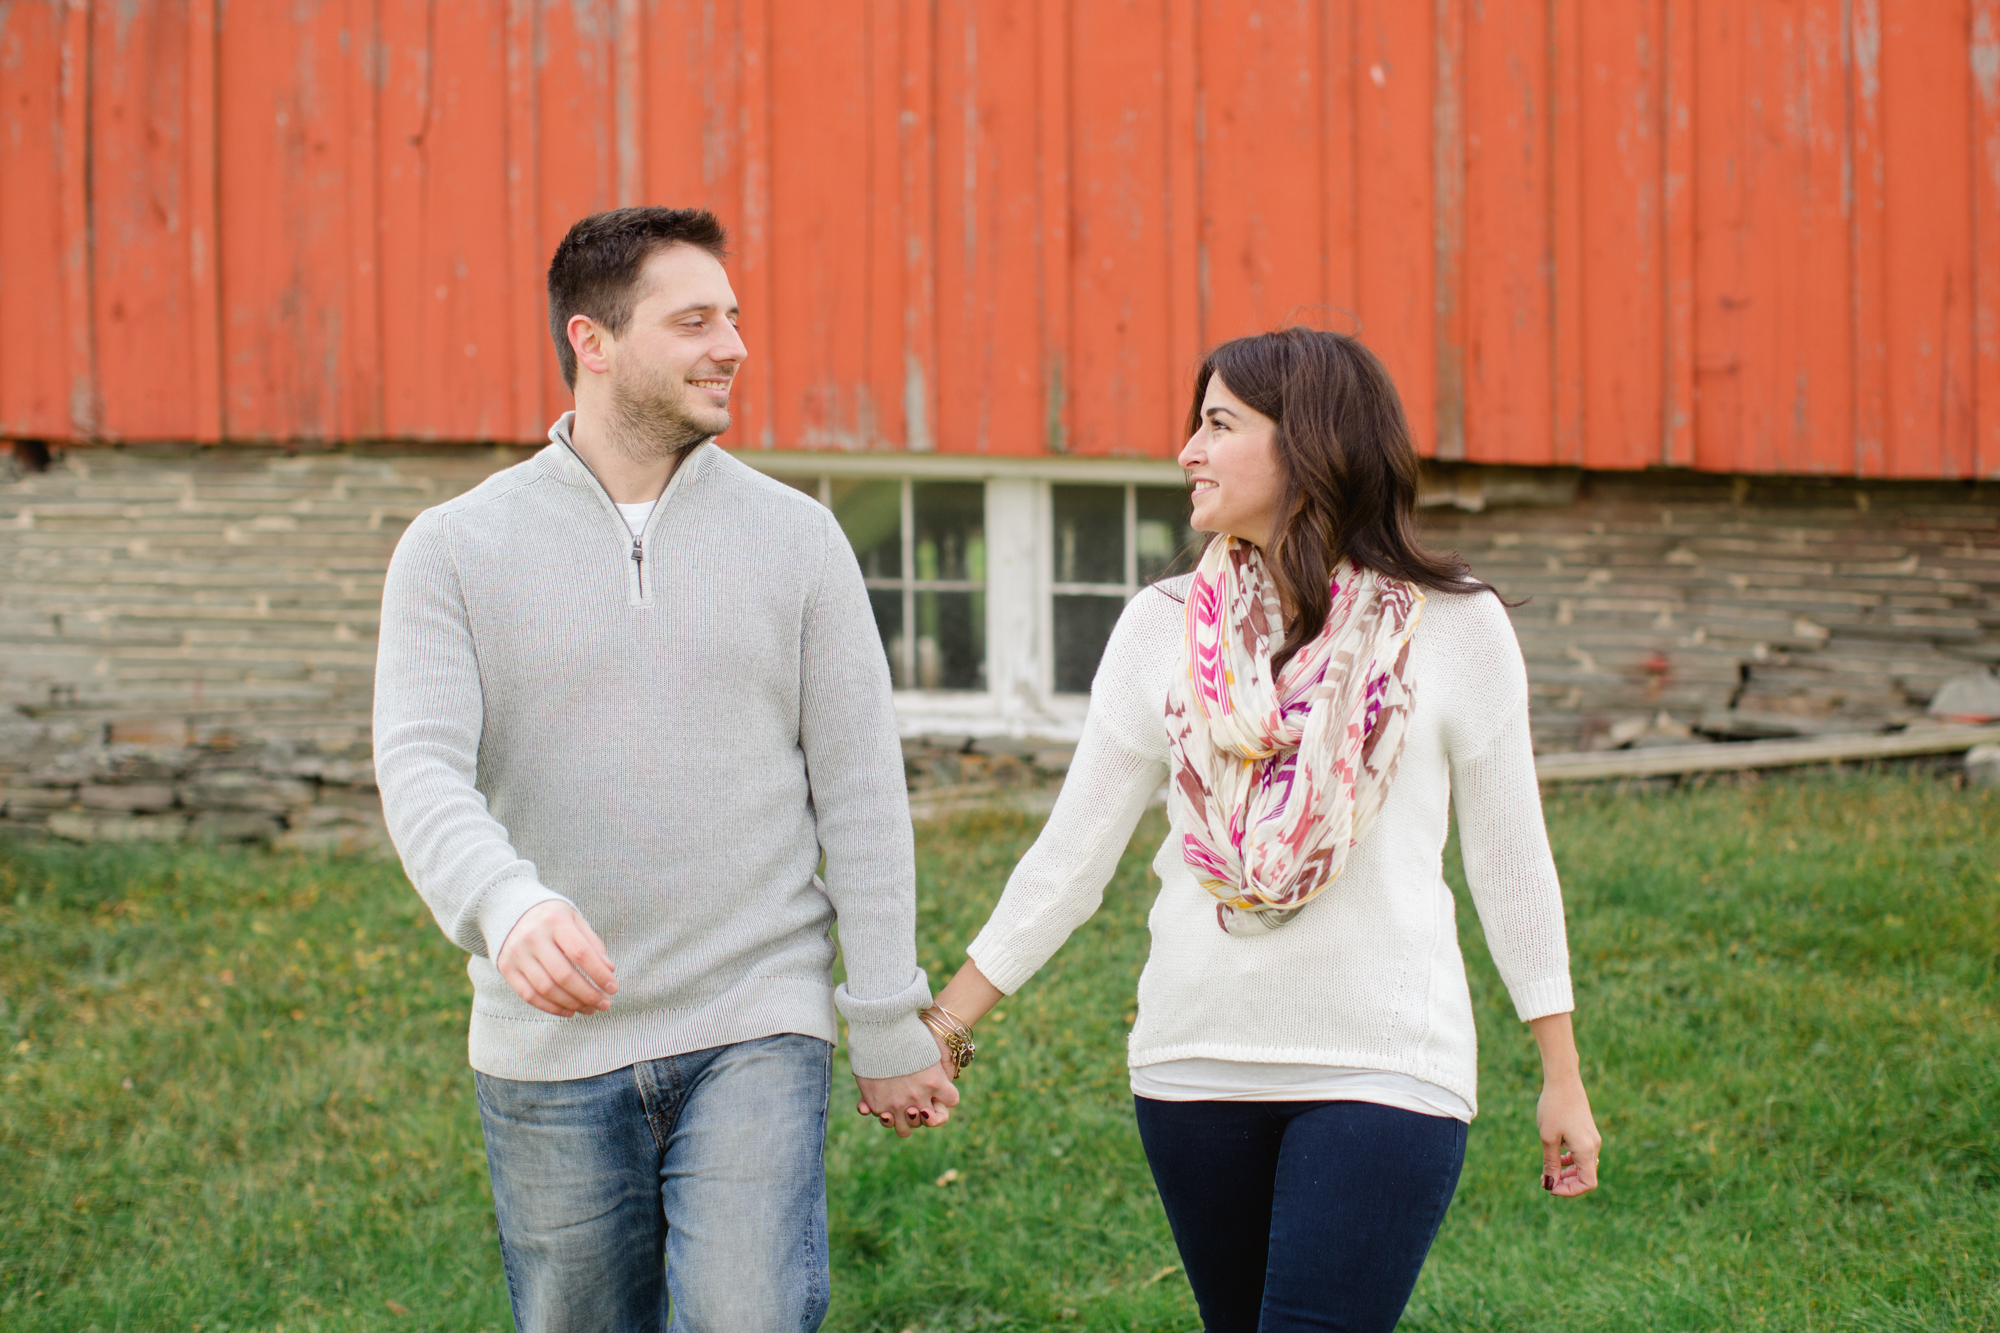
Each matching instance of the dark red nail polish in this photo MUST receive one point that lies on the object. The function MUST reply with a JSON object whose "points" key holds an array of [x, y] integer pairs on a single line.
{"points": [[1549, 1183]]}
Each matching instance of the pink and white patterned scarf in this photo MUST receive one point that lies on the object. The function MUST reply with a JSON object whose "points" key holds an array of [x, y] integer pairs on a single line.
{"points": [[1281, 777]]}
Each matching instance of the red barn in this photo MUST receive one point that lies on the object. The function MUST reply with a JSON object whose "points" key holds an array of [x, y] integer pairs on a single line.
{"points": [[1695, 306]]}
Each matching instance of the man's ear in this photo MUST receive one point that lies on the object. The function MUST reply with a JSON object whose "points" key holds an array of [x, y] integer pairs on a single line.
{"points": [[587, 339]]}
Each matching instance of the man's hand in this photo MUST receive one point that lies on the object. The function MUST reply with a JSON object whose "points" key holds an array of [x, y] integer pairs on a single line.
{"points": [[911, 1102], [554, 961]]}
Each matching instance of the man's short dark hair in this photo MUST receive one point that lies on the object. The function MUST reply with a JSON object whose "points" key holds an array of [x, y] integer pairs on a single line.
{"points": [[595, 270]]}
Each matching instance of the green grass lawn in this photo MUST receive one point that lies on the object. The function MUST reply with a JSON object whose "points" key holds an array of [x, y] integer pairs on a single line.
{"points": [[233, 1093]]}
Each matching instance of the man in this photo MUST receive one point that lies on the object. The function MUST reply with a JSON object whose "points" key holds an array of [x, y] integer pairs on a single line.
{"points": [[628, 692]]}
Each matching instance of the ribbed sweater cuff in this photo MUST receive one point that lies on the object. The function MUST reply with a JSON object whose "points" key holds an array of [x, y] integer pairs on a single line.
{"points": [[885, 1038], [504, 904], [1000, 967], [1539, 999]]}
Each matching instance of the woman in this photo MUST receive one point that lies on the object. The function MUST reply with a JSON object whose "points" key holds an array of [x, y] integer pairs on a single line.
{"points": [[1314, 695]]}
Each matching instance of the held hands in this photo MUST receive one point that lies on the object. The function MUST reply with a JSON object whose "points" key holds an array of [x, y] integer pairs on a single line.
{"points": [[554, 961], [922, 1100]]}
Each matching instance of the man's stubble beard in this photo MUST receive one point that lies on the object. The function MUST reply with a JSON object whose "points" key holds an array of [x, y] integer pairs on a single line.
{"points": [[650, 421]]}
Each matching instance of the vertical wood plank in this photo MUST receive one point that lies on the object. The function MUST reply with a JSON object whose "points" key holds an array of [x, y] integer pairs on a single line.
{"points": [[675, 58], [1189, 317], [297, 212], [692, 139], [1928, 239], [1984, 60], [403, 116], [1503, 291], [1868, 224], [990, 389], [1118, 57], [73, 186], [754, 400], [1721, 158], [1396, 291], [1566, 288], [1263, 226], [882, 315], [585, 132], [449, 345], [1677, 224], [38, 358], [1054, 204], [921, 403], [577, 104], [820, 227], [141, 302], [957, 166], [1339, 202], [539, 392], [360, 403], [692, 72], [1448, 221], [202, 158], [1625, 317], [1798, 352], [628, 41]]}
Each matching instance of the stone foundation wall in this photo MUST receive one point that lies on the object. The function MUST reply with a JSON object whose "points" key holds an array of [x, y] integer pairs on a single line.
{"points": [[1668, 606], [187, 637], [187, 634]]}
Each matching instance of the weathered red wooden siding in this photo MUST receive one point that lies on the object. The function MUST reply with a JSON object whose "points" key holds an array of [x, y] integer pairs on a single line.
{"points": [[1742, 235]]}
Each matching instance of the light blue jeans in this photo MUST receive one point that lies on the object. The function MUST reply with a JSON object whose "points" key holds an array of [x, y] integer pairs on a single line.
{"points": [[714, 1160]]}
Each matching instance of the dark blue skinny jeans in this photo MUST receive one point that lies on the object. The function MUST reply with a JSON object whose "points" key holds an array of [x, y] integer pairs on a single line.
{"points": [[1301, 1215]]}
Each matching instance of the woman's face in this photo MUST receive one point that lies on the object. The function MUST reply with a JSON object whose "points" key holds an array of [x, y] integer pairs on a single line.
{"points": [[1232, 466]]}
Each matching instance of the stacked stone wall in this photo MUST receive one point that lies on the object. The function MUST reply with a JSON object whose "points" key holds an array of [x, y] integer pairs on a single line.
{"points": [[1667, 606], [187, 635]]}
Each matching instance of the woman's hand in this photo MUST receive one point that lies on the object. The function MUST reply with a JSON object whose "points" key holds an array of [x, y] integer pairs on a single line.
{"points": [[1570, 1141]]}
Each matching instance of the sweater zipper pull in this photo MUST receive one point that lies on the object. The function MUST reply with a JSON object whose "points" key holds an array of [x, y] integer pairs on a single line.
{"points": [[639, 564]]}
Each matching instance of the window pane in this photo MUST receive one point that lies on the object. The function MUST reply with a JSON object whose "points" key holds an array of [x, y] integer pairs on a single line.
{"points": [[950, 536], [1083, 626], [808, 484], [871, 514], [1089, 533], [1166, 544], [951, 640], [887, 604]]}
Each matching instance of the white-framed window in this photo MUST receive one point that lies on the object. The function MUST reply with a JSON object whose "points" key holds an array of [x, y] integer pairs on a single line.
{"points": [[922, 548], [1107, 543], [995, 582]]}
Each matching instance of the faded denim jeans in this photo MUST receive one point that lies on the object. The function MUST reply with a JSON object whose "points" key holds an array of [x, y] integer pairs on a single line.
{"points": [[713, 1161]]}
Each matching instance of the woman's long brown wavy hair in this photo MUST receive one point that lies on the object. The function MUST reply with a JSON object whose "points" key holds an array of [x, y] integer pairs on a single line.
{"points": [[1350, 470]]}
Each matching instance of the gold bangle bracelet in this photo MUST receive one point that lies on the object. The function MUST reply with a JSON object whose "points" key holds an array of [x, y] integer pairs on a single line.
{"points": [[951, 1030]]}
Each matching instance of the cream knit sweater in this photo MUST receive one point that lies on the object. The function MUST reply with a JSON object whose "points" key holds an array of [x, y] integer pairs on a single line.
{"points": [[1369, 975]]}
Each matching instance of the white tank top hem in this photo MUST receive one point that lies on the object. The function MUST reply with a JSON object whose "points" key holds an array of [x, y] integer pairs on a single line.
{"points": [[1208, 1080]]}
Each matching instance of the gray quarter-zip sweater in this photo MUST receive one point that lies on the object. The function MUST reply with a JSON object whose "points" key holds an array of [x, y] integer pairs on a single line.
{"points": [[665, 732]]}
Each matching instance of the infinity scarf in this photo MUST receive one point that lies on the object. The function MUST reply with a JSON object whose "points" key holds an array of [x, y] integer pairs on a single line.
{"points": [[1282, 778]]}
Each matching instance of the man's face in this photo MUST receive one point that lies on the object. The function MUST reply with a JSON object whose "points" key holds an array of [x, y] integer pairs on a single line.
{"points": [[671, 369]]}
